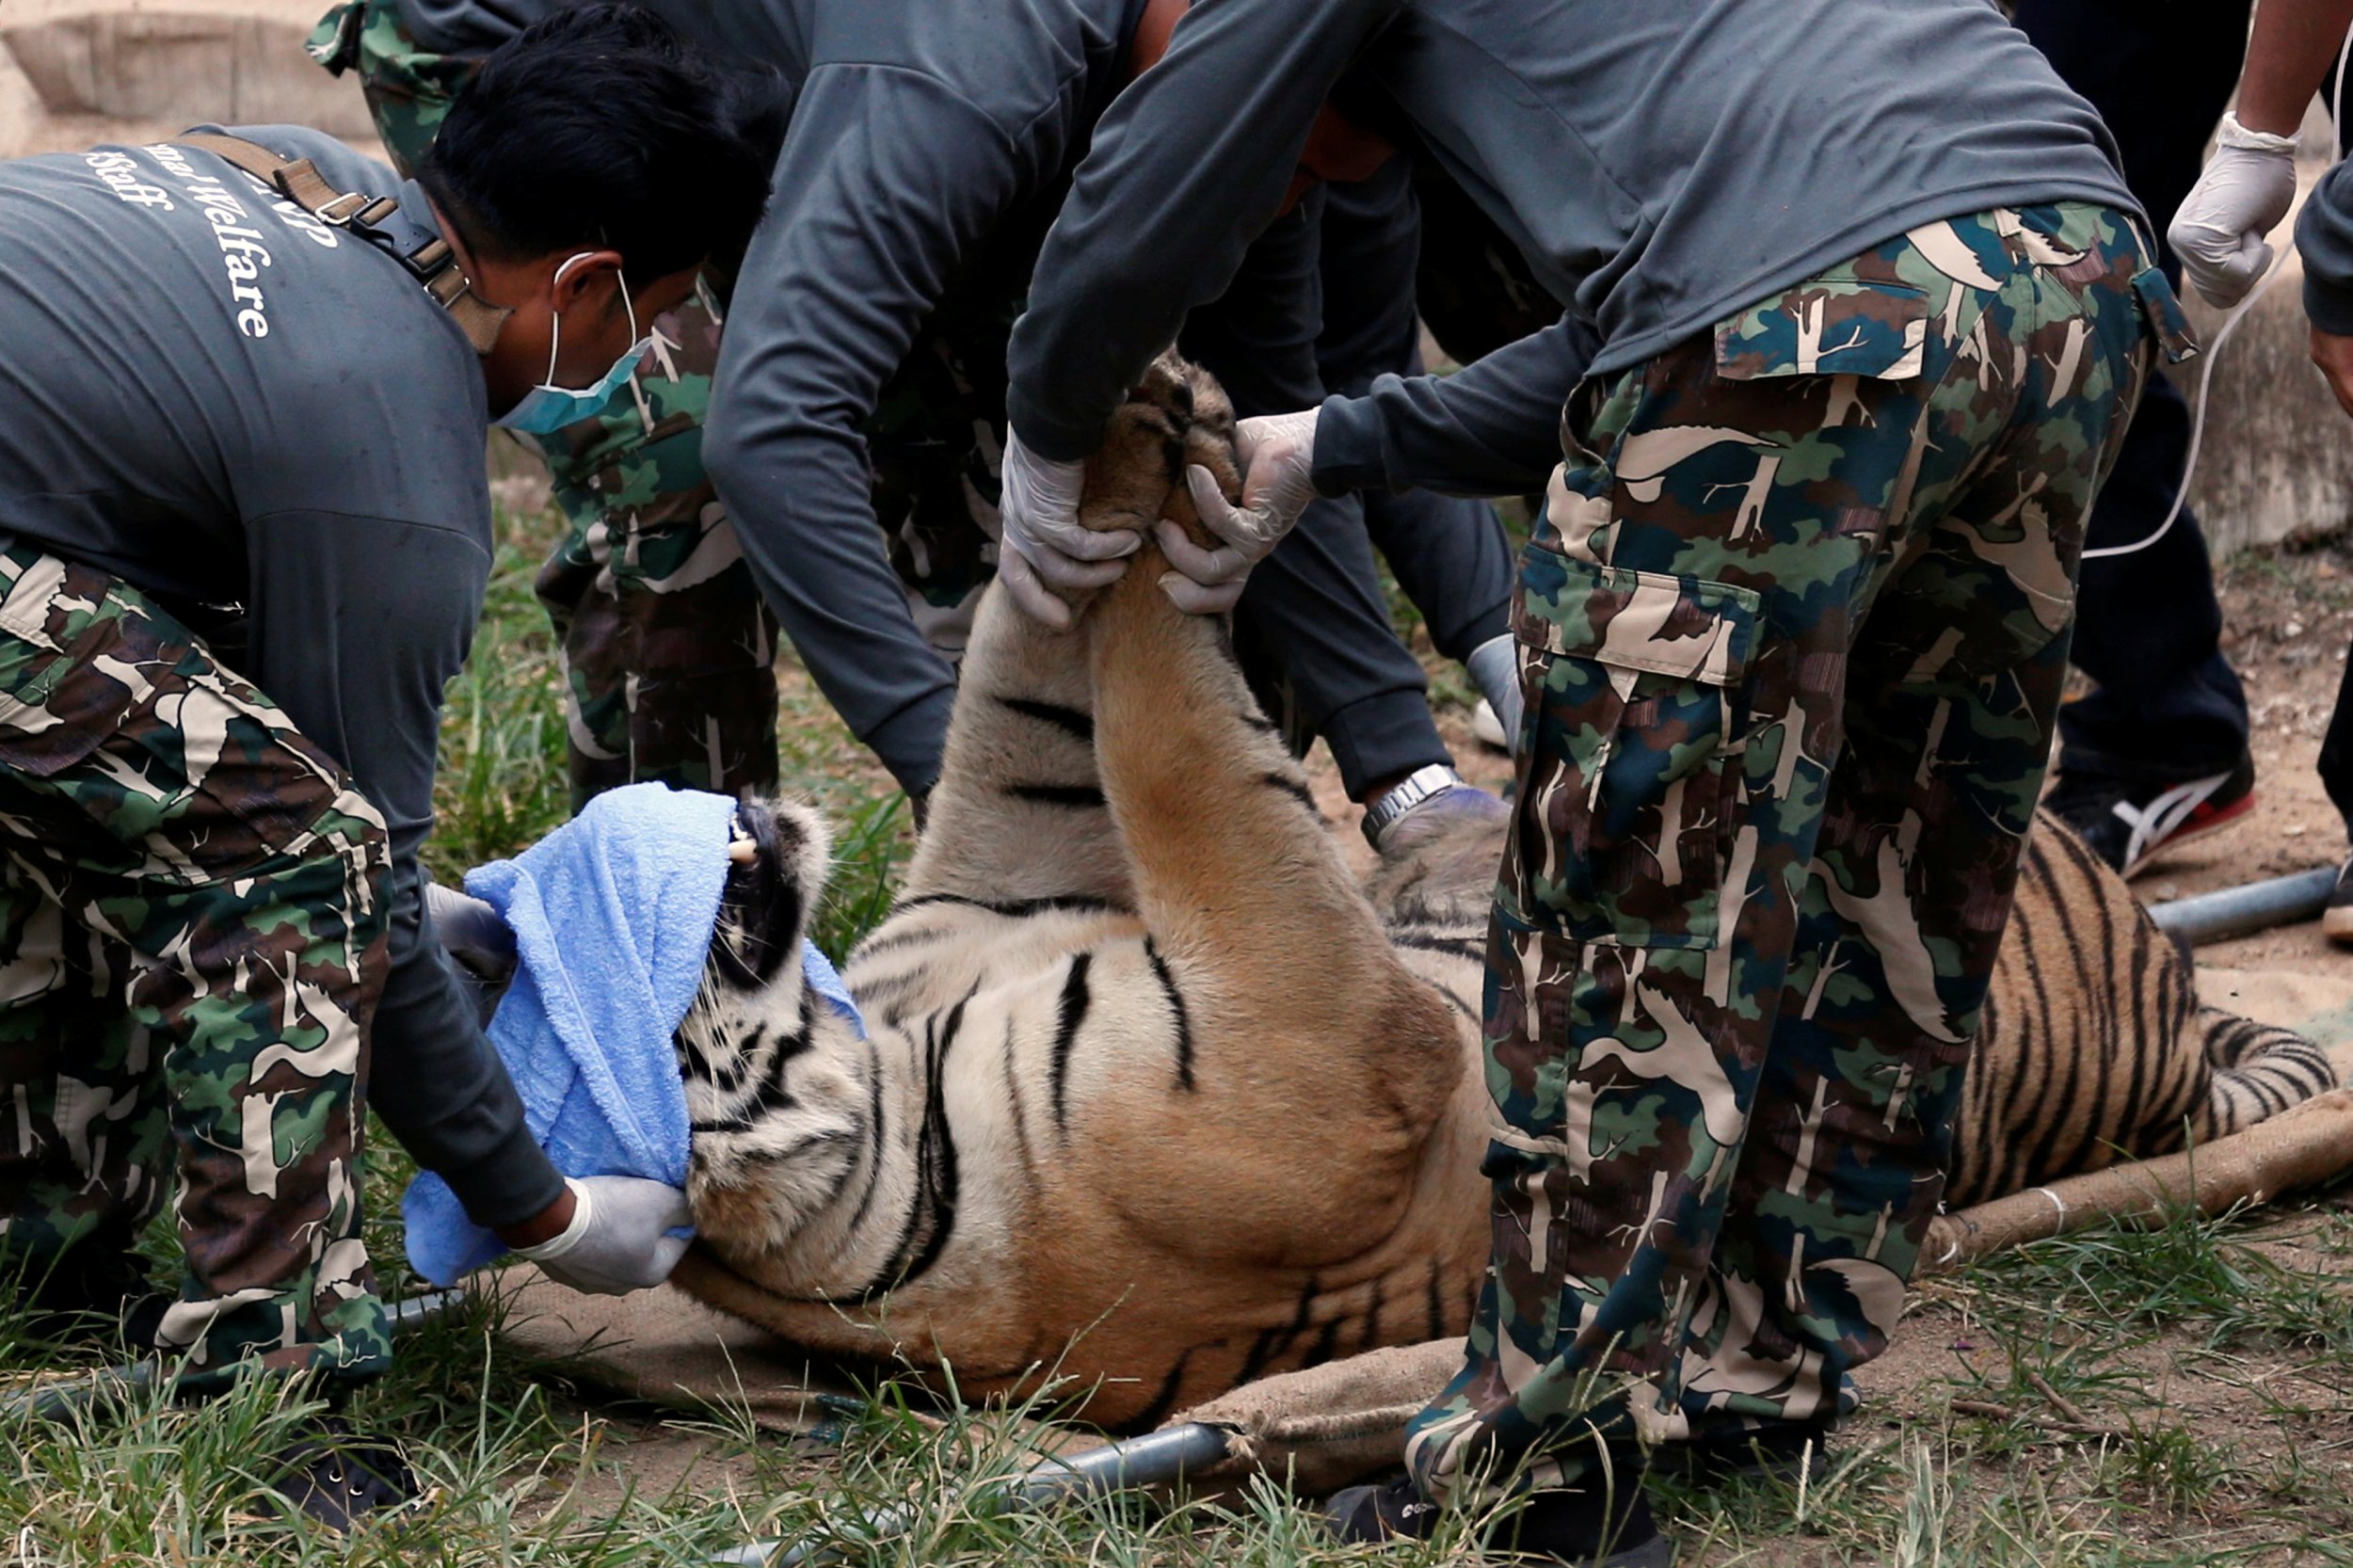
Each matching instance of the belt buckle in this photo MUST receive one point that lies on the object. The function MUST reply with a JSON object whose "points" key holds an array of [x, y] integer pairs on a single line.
{"points": [[339, 213]]}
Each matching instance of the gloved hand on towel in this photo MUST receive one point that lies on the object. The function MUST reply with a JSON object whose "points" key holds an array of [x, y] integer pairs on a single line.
{"points": [[618, 1241], [610, 919]]}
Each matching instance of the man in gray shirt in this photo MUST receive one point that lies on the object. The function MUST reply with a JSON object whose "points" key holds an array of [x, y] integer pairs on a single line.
{"points": [[244, 537], [854, 397], [2221, 233], [1857, 306]]}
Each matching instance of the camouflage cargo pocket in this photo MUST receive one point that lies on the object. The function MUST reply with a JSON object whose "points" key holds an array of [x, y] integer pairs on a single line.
{"points": [[52, 615], [120, 735], [1632, 682], [1831, 325]]}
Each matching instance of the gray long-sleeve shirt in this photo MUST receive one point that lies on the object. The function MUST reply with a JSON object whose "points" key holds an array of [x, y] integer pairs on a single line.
{"points": [[224, 403], [1661, 164], [928, 151], [931, 144], [2324, 239]]}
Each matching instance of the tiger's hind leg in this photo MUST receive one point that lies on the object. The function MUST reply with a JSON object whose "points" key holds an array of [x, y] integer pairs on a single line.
{"points": [[1017, 816], [1311, 1057], [2259, 1070]]}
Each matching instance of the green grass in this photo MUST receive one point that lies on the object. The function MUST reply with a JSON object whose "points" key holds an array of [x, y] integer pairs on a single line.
{"points": [[501, 784], [2194, 1274], [869, 847], [2214, 1373]]}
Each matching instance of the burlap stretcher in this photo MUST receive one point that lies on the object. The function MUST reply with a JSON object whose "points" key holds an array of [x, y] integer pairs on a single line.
{"points": [[1331, 1424], [1320, 1428]]}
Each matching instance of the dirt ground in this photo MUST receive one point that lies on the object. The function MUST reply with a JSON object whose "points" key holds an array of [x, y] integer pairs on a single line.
{"points": [[2288, 617]]}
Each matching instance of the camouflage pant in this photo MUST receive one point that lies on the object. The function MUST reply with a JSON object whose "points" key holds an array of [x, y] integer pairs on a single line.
{"points": [[1794, 632], [192, 937], [668, 650]]}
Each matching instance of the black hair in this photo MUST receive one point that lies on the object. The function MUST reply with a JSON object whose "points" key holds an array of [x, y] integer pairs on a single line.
{"points": [[596, 125]]}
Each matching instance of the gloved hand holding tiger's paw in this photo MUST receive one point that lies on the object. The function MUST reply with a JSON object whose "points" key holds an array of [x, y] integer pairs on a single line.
{"points": [[1278, 481], [1046, 553], [618, 1240]]}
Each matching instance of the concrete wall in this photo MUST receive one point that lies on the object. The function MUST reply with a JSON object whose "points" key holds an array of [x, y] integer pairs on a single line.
{"points": [[2277, 457]]}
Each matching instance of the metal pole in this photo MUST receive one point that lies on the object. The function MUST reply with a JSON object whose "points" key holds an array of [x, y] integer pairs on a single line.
{"points": [[53, 1401], [1148, 1461], [2257, 906]]}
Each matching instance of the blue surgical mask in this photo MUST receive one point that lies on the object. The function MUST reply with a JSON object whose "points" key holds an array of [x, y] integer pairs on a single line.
{"points": [[547, 408]]}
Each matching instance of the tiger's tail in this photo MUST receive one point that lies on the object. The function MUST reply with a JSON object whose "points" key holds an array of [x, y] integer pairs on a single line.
{"points": [[2259, 1070]]}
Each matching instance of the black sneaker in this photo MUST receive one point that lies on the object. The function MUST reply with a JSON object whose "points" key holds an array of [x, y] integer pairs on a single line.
{"points": [[2336, 920], [2128, 825], [1777, 1450], [94, 1295], [1601, 1527], [336, 1477]]}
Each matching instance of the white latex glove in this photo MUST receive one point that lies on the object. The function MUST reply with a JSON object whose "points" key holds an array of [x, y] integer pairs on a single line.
{"points": [[1278, 453], [1045, 548], [615, 1242], [2247, 188]]}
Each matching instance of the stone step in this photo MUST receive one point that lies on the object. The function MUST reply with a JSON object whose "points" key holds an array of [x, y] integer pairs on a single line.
{"points": [[176, 62]]}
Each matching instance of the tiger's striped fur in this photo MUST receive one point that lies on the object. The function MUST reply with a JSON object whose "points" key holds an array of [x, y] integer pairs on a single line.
{"points": [[1159, 1098], [2094, 1046]]}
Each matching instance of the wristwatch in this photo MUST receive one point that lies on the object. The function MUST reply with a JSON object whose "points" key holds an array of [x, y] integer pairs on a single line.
{"points": [[1419, 785]]}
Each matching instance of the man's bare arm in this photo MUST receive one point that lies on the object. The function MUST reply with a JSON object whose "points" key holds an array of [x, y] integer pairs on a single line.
{"points": [[2295, 44], [2222, 231]]}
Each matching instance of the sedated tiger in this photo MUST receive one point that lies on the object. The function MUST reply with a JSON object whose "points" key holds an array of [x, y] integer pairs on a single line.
{"points": [[1159, 1097]]}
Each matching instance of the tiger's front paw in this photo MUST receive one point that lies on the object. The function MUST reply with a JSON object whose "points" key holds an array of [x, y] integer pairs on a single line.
{"points": [[1177, 417]]}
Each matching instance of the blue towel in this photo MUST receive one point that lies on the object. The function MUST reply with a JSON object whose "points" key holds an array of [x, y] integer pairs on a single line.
{"points": [[819, 971], [613, 915]]}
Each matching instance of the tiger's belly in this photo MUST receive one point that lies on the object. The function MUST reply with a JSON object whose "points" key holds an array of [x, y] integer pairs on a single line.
{"points": [[1053, 1276], [1149, 1319], [1136, 1333]]}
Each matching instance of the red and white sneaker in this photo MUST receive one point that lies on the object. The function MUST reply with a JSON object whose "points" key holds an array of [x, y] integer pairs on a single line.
{"points": [[2129, 824]]}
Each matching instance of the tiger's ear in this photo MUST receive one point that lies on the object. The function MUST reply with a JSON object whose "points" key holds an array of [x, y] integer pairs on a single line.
{"points": [[799, 837], [765, 904]]}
